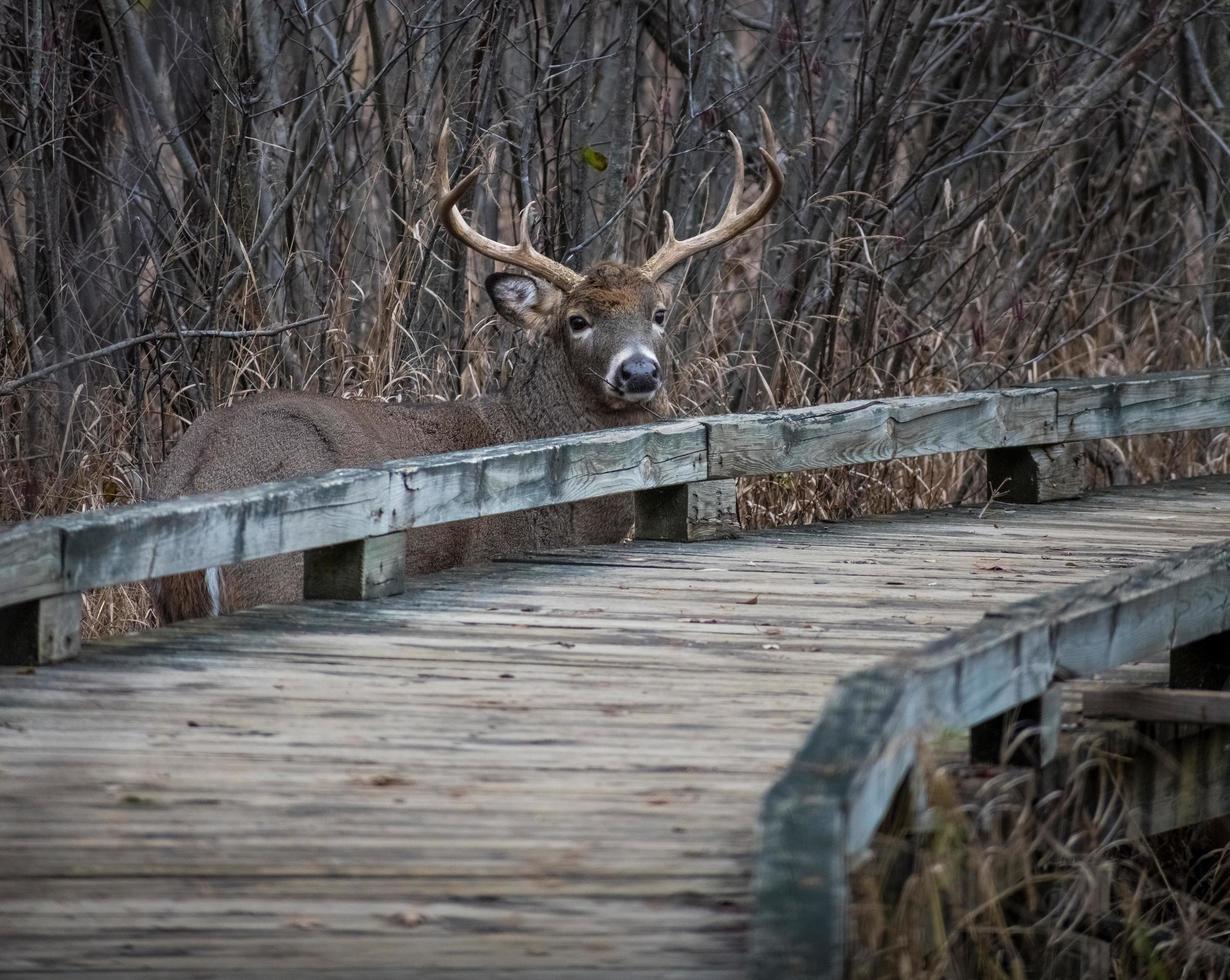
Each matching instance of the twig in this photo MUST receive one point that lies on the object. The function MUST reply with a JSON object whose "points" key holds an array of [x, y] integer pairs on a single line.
{"points": [[8, 387]]}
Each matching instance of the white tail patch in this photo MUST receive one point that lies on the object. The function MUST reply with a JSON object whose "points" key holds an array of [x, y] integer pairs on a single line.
{"points": [[213, 586]]}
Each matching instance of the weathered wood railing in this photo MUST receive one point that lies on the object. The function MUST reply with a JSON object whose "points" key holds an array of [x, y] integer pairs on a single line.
{"points": [[823, 812], [673, 466]]}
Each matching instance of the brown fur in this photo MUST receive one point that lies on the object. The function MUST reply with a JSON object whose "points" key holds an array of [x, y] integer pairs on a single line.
{"points": [[559, 389]]}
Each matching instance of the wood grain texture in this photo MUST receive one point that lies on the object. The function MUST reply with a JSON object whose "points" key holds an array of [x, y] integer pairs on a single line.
{"points": [[42, 631], [128, 544], [872, 431], [1036, 474], [373, 568], [963, 679], [549, 766], [1159, 704], [144, 541], [705, 511]]}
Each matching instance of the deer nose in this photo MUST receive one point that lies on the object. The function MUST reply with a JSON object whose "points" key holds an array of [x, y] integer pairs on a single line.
{"points": [[639, 374]]}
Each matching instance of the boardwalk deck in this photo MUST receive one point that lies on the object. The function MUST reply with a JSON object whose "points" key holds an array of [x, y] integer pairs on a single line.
{"points": [[550, 767]]}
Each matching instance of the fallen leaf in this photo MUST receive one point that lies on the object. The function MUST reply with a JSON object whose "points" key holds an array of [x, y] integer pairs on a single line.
{"points": [[408, 918], [748, 602]]}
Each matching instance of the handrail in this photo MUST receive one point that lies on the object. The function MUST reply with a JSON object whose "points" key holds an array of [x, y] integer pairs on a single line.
{"points": [[63, 555], [824, 810]]}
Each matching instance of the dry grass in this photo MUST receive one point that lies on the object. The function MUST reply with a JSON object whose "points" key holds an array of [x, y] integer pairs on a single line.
{"points": [[1018, 872]]}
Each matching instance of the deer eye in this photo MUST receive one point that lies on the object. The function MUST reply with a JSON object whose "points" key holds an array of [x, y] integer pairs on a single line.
{"points": [[578, 323], [659, 317]]}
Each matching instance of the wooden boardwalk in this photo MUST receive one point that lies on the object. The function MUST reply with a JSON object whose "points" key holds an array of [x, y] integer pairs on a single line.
{"points": [[549, 767]]}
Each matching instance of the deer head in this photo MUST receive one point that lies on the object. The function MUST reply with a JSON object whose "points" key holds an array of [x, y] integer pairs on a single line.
{"points": [[611, 319]]}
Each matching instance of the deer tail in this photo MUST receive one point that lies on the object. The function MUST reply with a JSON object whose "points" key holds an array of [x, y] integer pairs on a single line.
{"points": [[190, 595]]}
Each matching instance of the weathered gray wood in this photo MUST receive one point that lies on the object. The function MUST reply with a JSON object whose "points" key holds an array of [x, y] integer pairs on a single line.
{"points": [[30, 562], [499, 479], [1159, 704], [595, 726], [871, 431], [895, 428], [369, 569], [1101, 408], [41, 631], [1186, 781], [1027, 735], [144, 541], [962, 680], [1036, 474], [150, 540], [703, 511]]}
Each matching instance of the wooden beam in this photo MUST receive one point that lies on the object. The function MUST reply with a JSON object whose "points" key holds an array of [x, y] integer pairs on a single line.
{"points": [[41, 631], [1036, 474], [1027, 735], [1159, 704], [895, 428], [369, 569], [863, 743], [873, 431], [692, 512], [126, 544], [1176, 784], [144, 541]]}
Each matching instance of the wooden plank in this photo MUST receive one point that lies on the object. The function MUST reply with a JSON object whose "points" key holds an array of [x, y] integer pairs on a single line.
{"points": [[151, 540], [42, 631], [144, 541], [1158, 704], [961, 680], [1036, 474], [1101, 408], [499, 479], [30, 562], [873, 431], [372, 568], [704, 511], [1027, 735], [1184, 782]]}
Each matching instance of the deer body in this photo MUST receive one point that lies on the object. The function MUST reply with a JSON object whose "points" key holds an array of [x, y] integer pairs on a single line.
{"points": [[596, 362]]}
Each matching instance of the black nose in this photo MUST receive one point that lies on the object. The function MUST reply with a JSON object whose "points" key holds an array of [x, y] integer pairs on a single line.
{"points": [[639, 374]]}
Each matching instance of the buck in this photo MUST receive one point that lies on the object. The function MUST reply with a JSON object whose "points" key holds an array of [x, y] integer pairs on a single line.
{"points": [[597, 363]]}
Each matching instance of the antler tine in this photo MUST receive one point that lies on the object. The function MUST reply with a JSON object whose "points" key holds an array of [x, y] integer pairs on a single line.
{"points": [[733, 222], [523, 254]]}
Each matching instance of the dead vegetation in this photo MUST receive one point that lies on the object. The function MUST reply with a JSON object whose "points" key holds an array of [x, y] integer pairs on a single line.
{"points": [[203, 200], [1023, 876]]}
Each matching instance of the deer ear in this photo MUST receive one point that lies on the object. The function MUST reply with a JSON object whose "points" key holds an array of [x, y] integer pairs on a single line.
{"points": [[522, 301]]}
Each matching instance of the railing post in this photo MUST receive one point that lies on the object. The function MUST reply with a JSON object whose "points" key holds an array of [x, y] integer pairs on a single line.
{"points": [[1036, 474], [1028, 735], [42, 631], [370, 568], [700, 511]]}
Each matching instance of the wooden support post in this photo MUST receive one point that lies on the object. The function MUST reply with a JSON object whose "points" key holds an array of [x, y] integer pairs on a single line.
{"points": [[42, 631], [1036, 474], [370, 568], [1004, 739], [689, 512]]}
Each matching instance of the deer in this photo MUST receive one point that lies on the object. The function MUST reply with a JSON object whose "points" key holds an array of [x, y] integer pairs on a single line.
{"points": [[596, 361]]}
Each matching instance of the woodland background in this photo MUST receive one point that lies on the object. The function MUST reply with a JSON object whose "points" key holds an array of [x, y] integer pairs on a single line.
{"points": [[204, 199]]}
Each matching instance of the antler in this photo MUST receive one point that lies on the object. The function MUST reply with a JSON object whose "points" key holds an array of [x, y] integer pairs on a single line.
{"points": [[734, 222], [522, 255]]}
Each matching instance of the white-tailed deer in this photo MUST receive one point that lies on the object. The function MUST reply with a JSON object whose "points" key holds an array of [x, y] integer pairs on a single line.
{"points": [[597, 364]]}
